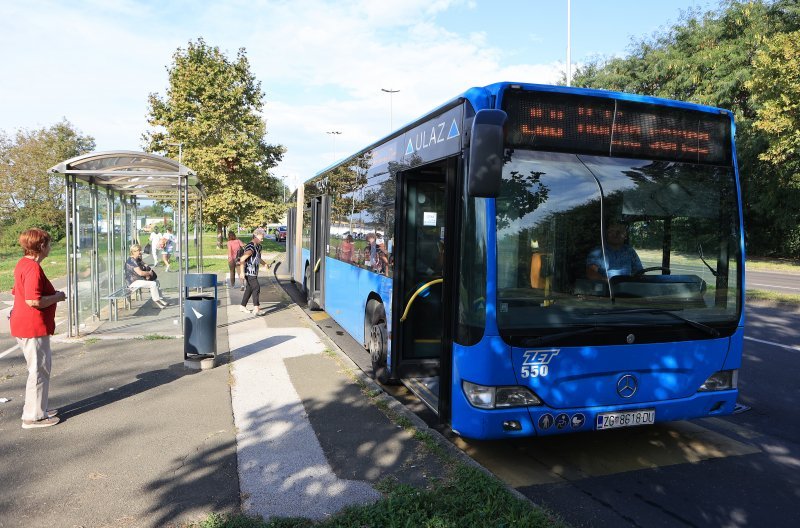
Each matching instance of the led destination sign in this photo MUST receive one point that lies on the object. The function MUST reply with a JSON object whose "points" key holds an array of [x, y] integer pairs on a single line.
{"points": [[594, 125]]}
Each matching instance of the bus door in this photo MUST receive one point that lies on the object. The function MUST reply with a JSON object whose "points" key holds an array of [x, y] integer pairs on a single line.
{"points": [[315, 274], [421, 312], [291, 227]]}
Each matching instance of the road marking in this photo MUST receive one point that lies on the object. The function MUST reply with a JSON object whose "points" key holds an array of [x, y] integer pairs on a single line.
{"points": [[553, 459], [7, 352], [794, 348], [319, 316], [13, 348], [772, 286]]}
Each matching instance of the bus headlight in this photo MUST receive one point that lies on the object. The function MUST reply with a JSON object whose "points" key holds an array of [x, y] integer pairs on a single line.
{"points": [[721, 380], [498, 397]]}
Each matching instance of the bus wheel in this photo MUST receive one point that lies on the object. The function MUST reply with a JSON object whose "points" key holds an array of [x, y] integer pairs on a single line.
{"points": [[377, 342], [306, 282], [311, 298]]}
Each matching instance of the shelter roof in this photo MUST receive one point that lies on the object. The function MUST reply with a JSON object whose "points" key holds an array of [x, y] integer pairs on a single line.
{"points": [[132, 173]]}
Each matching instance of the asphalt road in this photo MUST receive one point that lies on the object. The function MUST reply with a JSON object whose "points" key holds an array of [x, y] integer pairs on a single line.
{"points": [[773, 281]]}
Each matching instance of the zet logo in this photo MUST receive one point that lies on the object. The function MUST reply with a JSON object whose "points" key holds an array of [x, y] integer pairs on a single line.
{"points": [[425, 138], [536, 362]]}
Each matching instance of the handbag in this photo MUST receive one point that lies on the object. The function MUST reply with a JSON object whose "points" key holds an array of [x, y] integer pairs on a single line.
{"points": [[148, 249], [145, 267]]}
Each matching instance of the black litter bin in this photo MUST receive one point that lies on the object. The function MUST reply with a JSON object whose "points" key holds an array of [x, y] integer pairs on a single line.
{"points": [[200, 316]]}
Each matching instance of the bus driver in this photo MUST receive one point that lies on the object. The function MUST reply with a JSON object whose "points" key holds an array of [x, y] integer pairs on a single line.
{"points": [[620, 257]]}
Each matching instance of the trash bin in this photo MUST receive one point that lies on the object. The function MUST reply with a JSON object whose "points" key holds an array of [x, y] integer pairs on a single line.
{"points": [[200, 316]]}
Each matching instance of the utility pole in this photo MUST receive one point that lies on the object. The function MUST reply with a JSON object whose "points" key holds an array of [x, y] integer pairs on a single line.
{"points": [[569, 57]]}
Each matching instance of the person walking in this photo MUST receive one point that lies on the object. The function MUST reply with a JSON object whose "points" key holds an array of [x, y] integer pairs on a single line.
{"points": [[33, 321], [155, 245], [234, 245], [168, 245], [251, 259]]}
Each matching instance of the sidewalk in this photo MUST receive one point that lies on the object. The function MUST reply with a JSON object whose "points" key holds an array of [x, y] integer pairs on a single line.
{"points": [[278, 428]]}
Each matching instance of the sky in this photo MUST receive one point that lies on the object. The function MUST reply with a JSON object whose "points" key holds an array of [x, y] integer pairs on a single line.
{"points": [[322, 63]]}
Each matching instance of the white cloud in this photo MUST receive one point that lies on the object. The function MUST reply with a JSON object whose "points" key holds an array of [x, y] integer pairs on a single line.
{"points": [[321, 63]]}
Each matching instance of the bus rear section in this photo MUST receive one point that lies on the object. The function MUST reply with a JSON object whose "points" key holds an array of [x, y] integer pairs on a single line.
{"points": [[613, 293]]}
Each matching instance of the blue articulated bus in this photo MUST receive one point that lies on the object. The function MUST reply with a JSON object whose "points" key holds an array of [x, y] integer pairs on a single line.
{"points": [[536, 260]]}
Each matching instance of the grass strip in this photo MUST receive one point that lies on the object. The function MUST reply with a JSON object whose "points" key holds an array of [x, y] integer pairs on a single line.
{"points": [[469, 497], [772, 297]]}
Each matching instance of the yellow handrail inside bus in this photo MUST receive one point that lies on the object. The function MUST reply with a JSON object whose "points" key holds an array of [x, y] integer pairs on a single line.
{"points": [[416, 293], [316, 266]]}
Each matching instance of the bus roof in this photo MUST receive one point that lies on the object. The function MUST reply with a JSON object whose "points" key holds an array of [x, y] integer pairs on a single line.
{"points": [[490, 96]]}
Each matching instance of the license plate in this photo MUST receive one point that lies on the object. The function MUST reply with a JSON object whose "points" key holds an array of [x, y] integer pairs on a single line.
{"points": [[613, 420]]}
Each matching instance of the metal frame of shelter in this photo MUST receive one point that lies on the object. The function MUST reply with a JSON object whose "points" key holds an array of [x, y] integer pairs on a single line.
{"points": [[103, 190]]}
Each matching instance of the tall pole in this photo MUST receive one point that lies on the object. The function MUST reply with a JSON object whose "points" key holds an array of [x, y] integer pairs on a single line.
{"points": [[569, 57], [391, 93], [334, 133]]}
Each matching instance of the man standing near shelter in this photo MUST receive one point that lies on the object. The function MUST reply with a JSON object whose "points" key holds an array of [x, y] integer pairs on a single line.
{"points": [[251, 260], [155, 244]]}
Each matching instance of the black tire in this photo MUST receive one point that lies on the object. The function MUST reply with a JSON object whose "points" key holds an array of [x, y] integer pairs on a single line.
{"points": [[311, 302], [306, 282], [377, 341]]}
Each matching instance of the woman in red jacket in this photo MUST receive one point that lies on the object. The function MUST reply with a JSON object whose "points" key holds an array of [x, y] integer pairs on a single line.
{"points": [[33, 321]]}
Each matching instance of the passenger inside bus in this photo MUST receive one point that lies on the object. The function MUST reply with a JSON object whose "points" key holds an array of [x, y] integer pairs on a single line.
{"points": [[620, 258], [375, 257]]}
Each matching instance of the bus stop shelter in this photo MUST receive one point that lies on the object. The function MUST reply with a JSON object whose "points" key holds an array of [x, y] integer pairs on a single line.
{"points": [[103, 191]]}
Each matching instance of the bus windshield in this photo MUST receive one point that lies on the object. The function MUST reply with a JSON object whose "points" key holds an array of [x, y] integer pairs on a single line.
{"points": [[591, 240]]}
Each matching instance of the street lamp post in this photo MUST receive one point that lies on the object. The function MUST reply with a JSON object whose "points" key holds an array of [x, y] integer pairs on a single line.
{"points": [[334, 133], [391, 93], [569, 53]]}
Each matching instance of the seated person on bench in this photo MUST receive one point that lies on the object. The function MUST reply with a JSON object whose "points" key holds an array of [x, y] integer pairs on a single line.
{"points": [[620, 257], [138, 275]]}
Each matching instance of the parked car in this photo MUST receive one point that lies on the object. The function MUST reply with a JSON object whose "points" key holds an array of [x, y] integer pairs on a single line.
{"points": [[280, 234]]}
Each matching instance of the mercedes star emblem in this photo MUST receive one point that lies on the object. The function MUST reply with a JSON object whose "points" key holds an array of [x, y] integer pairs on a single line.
{"points": [[627, 385]]}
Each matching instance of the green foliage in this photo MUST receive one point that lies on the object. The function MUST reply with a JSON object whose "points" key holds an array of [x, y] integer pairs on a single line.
{"points": [[212, 107], [742, 57], [27, 190], [772, 297], [9, 236]]}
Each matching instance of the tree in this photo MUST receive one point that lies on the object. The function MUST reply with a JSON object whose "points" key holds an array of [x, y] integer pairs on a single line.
{"points": [[775, 86], [27, 191], [212, 108], [709, 59]]}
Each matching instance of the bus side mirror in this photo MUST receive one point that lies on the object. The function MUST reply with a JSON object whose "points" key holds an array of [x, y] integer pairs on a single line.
{"points": [[486, 154]]}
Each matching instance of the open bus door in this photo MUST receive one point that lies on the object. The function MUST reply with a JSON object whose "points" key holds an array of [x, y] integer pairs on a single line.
{"points": [[315, 272], [422, 310]]}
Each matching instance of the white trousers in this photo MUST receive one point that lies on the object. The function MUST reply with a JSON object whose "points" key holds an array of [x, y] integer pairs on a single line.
{"points": [[39, 359], [153, 285]]}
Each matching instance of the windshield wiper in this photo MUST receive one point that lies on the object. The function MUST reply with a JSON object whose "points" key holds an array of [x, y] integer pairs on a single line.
{"points": [[694, 324], [549, 338], [700, 254]]}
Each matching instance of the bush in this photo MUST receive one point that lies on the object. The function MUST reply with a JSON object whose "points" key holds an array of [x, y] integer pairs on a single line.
{"points": [[9, 235]]}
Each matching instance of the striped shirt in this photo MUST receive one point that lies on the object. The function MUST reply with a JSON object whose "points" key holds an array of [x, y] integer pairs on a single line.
{"points": [[252, 263]]}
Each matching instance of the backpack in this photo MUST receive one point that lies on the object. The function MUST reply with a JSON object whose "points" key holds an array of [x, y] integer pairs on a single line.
{"points": [[239, 253]]}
